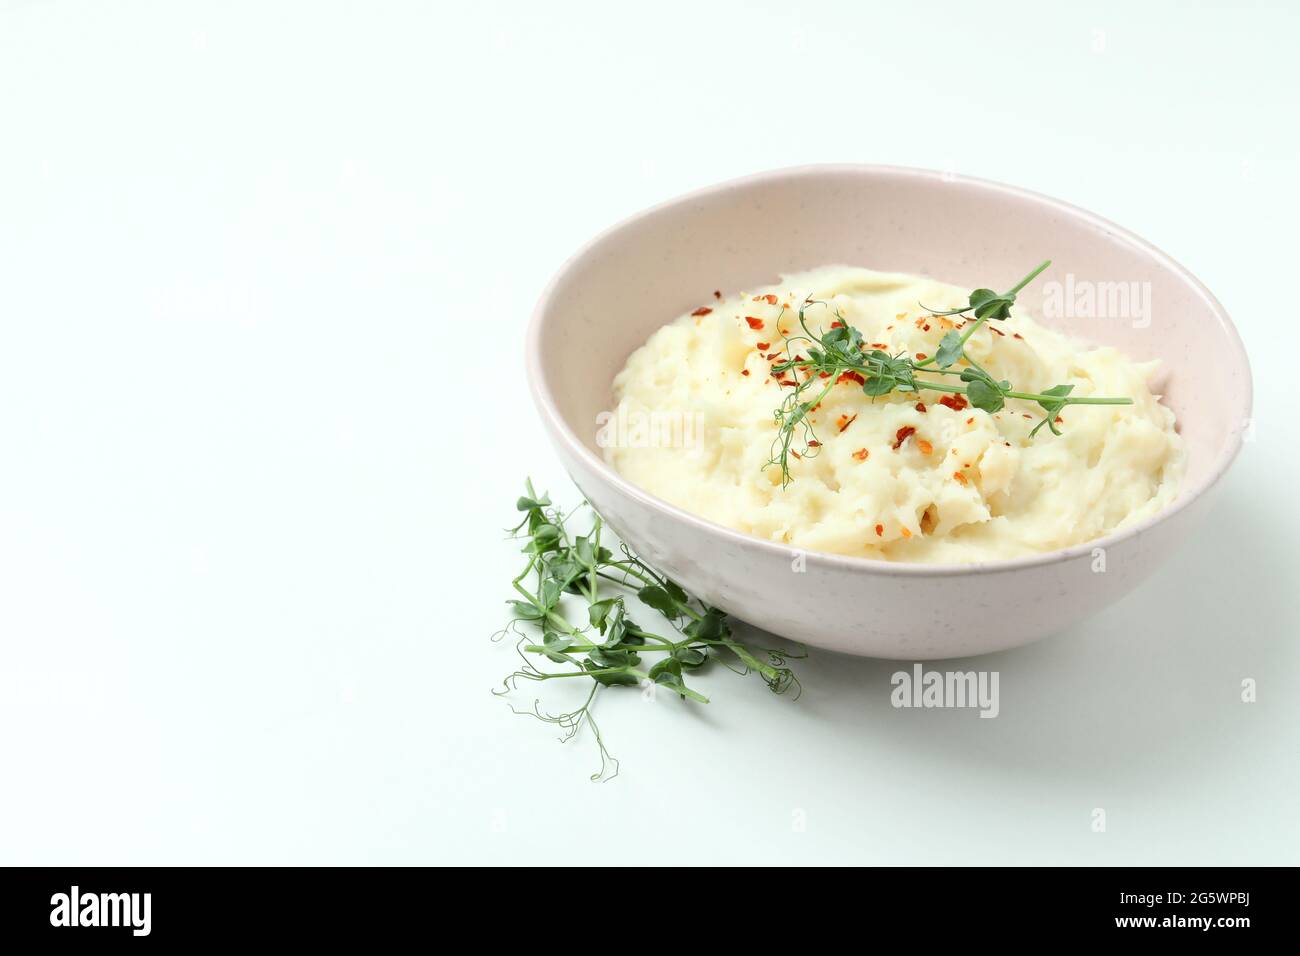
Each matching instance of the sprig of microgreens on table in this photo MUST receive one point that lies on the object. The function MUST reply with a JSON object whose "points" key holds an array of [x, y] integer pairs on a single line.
{"points": [[840, 355], [608, 649]]}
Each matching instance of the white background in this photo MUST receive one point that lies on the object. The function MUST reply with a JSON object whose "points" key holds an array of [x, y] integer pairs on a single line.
{"points": [[264, 274]]}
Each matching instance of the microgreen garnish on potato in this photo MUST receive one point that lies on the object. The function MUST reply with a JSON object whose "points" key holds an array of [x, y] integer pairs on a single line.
{"points": [[608, 648], [987, 304], [840, 356]]}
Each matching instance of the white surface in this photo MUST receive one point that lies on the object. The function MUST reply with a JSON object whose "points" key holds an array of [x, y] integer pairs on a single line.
{"points": [[263, 278]]}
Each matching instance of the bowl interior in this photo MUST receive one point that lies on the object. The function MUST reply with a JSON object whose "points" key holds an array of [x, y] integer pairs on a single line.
{"points": [[642, 273]]}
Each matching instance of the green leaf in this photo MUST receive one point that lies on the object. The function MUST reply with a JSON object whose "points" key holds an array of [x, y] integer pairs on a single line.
{"points": [[525, 612], [612, 679], [613, 657], [675, 591], [982, 391], [598, 612], [545, 537], [950, 349], [878, 385], [690, 656], [844, 341], [1056, 390], [567, 573], [880, 374], [551, 591], [1051, 408], [668, 667], [556, 644], [988, 304], [583, 552], [984, 396], [659, 599], [711, 626], [633, 635], [562, 568], [668, 673], [615, 628]]}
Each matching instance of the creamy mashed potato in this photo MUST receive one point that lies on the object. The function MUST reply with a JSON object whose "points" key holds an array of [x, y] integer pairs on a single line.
{"points": [[965, 486]]}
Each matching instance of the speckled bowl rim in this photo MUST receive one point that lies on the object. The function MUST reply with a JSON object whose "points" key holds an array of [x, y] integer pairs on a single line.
{"points": [[547, 408]]}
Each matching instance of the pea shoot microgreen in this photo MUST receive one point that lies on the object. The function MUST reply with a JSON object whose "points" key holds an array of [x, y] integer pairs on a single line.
{"points": [[608, 648], [840, 355]]}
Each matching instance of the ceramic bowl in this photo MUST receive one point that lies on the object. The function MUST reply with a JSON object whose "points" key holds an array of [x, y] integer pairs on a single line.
{"points": [[627, 282]]}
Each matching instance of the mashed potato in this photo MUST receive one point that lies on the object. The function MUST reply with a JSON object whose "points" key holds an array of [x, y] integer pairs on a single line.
{"points": [[964, 486]]}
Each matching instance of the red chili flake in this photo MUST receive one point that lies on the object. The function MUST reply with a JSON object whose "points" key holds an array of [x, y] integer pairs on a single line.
{"points": [[850, 377], [998, 331], [901, 436], [744, 371], [1026, 415], [717, 293], [763, 346], [924, 328], [702, 310], [1017, 335], [837, 324], [754, 323], [955, 402], [969, 420], [961, 479], [824, 375], [770, 299], [920, 407], [880, 530], [925, 446], [814, 443], [796, 454], [844, 421], [1060, 420], [861, 454], [920, 355], [772, 355]]}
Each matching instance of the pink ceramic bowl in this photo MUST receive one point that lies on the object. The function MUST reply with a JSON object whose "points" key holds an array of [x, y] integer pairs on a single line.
{"points": [[635, 277]]}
